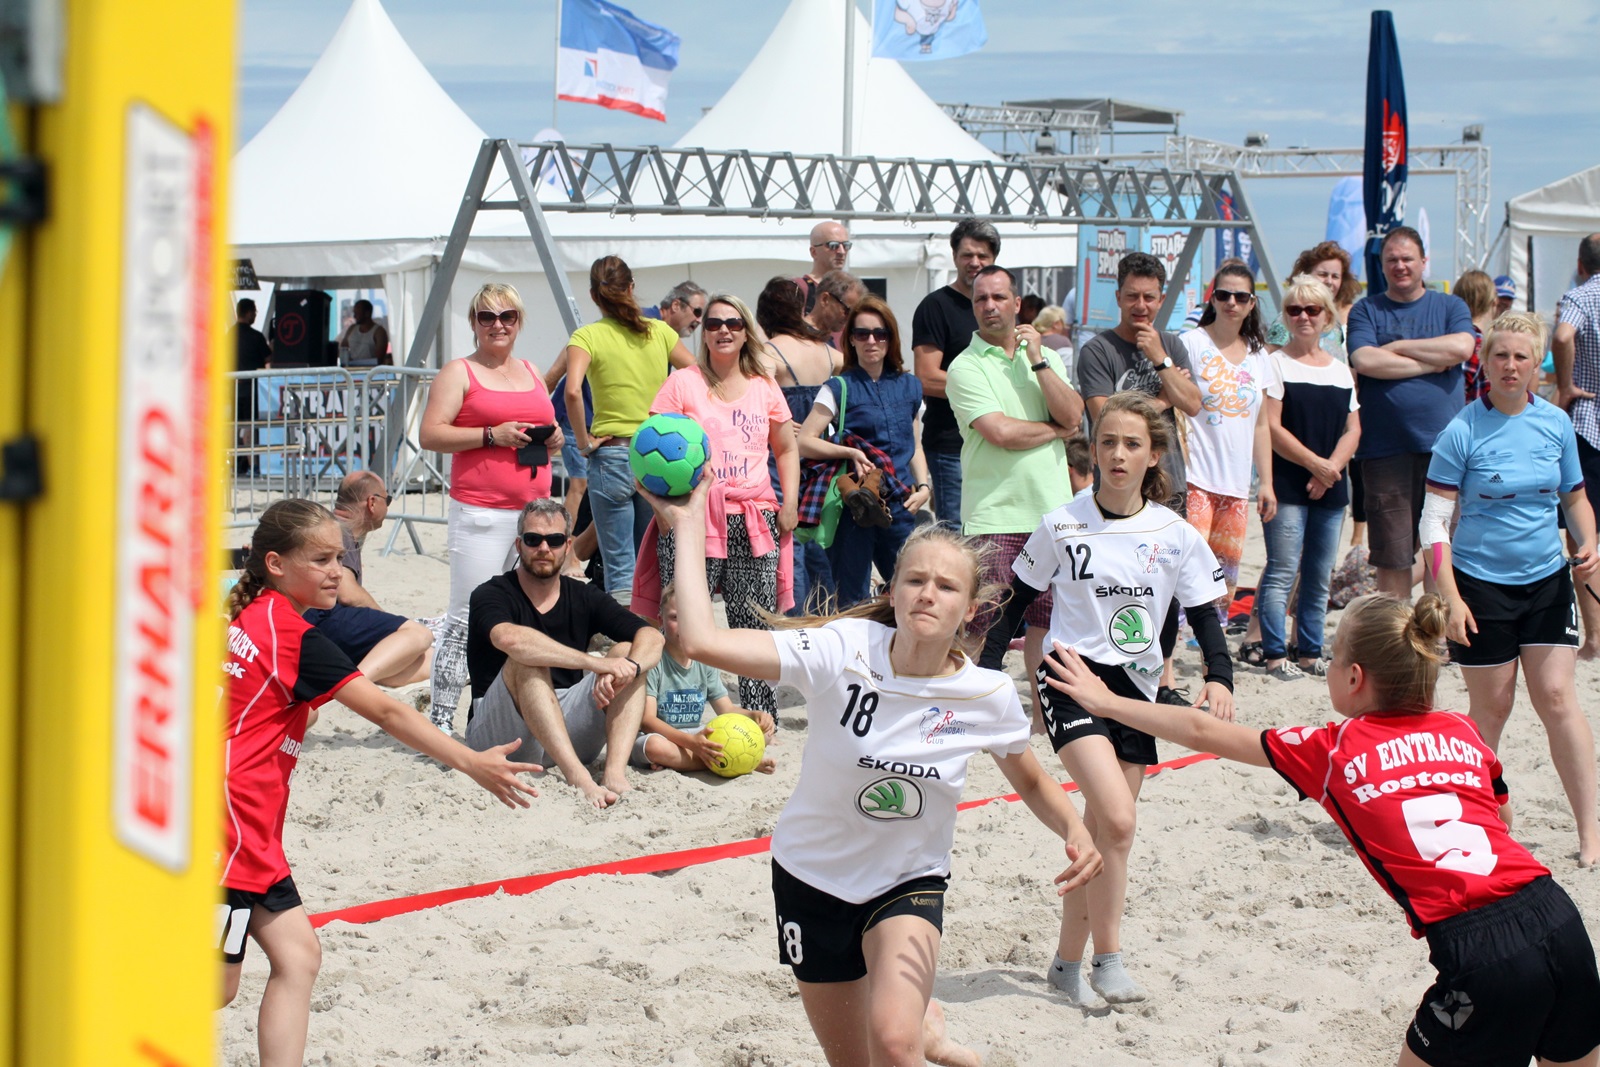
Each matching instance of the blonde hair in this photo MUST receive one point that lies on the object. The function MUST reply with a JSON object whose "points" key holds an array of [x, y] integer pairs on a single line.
{"points": [[1519, 322], [1399, 647], [495, 293], [1157, 485], [1306, 289], [1051, 315], [1476, 290], [750, 364], [285, 527], [880, 609]]}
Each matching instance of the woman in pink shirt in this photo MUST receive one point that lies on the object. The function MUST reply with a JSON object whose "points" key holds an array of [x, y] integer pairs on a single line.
{"points": [[744, 414], [483, 409]]}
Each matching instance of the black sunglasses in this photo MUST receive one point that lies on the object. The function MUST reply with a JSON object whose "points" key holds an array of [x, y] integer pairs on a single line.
{"points": [[533, 540], [1294, 311], [508, 317], [835, 246], [870, 333], [388, 498], [734, 325], [1229, 296]]}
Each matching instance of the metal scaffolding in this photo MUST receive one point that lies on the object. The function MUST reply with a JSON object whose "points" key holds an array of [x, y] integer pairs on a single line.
{"points": [[691, 182]]}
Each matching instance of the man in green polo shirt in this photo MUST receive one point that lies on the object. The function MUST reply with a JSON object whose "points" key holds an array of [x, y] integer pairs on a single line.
{"points": [[1014, 409]]}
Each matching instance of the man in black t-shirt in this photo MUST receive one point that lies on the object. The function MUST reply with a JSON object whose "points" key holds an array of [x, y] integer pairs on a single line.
{"points": [[533, 680], [941, 329]]}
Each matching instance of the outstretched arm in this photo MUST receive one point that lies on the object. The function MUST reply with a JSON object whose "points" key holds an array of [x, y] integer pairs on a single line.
{"points": [[1050, 805], [750, 653], [1189, 727]]}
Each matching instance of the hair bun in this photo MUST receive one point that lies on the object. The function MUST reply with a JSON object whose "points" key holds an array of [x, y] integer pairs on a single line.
{"points": [[1429, 617]]}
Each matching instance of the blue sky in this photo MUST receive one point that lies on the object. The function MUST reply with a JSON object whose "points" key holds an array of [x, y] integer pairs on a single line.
{"points": [[1525, 71]]}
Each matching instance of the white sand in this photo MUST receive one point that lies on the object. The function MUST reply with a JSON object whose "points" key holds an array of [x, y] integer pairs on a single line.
{"points": [[1259, 935]]}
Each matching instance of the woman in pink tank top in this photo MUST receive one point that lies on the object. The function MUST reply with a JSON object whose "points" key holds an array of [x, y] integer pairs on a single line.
{"points": [[482, 410]]}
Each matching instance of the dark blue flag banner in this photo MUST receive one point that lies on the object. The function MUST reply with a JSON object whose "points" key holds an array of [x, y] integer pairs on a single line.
{"points": [[1383, 185]]}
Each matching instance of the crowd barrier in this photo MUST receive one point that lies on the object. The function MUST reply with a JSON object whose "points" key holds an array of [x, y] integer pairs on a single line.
{"points": [[297, 433]]}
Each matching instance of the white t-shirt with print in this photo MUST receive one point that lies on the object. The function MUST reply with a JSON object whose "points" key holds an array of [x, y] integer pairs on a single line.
{"points": [[1222, 436], [1112, 580], [885, 758]]}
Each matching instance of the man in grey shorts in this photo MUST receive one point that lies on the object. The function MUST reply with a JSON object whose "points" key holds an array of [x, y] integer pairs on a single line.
{"points": [[533, 680]]}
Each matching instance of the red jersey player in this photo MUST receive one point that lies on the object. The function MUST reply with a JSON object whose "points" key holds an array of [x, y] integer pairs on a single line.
{"points": [[1419, 795], [279, 668]]}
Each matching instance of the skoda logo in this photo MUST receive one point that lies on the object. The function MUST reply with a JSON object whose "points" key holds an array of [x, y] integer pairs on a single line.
{"points": [[1131, 630], [890, 798]]}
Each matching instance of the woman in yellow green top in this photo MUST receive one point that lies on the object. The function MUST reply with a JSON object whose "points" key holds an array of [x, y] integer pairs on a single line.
{"points": [[625, 357]]}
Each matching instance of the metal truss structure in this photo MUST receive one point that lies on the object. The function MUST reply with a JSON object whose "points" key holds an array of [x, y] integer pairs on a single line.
{"points": [[691, 182], [977, 119]]}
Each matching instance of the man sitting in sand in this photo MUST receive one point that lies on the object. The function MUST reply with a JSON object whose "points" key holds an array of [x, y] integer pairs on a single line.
{"points": [[390, 649], [533, 680], [677, 693]]}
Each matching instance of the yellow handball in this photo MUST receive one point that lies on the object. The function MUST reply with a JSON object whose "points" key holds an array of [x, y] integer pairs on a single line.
{"points": [[742, 743]]}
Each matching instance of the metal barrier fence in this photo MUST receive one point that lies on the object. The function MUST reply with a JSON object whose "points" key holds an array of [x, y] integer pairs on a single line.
{"points": [[297, 433]]}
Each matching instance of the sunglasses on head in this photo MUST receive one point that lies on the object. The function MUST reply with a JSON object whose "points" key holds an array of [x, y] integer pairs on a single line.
{"points": [[1228, 296], [836, 246], [508, 317], [870, 333], [1295, 311], [734, 325], [534, 540]]}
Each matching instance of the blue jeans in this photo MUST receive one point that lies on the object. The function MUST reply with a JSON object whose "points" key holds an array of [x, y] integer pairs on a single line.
{"points": [[620, 514], [1300, 540], [812, 575], [944, 473], [856, 548]]}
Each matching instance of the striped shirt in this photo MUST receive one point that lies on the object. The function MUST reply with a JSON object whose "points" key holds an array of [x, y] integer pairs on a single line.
{"points": [[1580, 308]]}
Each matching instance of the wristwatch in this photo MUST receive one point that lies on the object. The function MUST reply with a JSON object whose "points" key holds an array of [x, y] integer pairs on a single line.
{"points": [[1165, 364], [1041, 365]]}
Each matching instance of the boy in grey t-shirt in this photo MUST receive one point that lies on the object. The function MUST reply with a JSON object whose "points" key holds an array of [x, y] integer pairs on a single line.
{"points": [[677, 693]]}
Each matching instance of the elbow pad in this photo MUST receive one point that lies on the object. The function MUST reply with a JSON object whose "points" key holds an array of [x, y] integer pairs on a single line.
{"points": [[1434, 527]]}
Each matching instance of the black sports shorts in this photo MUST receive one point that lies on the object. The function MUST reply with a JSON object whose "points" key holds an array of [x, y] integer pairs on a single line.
{"points": [[1508, 617], [819, 935], [235, 912], [1516, 980], [1065, 720]]}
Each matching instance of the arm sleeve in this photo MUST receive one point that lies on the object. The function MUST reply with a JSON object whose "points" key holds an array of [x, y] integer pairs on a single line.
{"points": [[1363, 333], [652, 680], [928, 326], [825, 398], [1448, 465], [323, 669], [611, 618], [1095, 376], [488, 607], [1571, 471], [1200, 578], [1274, 385], [669, 397], [1300, 754], [1213, 643], [969, 393], [777, 407], [712, 679], [1000, 634], [1569, 312], [810, 658], [1458, 319]]}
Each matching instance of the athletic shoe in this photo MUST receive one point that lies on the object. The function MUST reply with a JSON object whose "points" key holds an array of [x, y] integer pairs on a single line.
{"points": [[1287, 671], [1317, 668], [1166, 694]]}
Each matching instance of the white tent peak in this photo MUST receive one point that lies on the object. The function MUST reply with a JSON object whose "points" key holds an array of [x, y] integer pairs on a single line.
{"points": [[790, 98], [369, 147]]}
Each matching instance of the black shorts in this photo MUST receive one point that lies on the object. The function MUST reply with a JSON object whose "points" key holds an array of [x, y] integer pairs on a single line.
{"points": [[1516, 980], [1589, 463], [234, 913], [1510, 617], [819, 935], [355, 630], [1066, 721]]}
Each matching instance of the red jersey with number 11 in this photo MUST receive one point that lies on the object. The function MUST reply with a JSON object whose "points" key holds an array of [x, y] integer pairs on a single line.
{"points": [[1418, 795], [278, 668]]}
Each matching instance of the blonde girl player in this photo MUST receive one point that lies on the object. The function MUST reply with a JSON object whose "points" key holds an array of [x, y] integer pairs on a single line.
{"points": [[1510, 459], [1115, 561], [861, 853], [1419, 794], [278, 669]]}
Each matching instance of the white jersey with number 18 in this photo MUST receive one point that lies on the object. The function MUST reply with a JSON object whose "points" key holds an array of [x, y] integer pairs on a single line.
{"points": [[1113, 580], [885, 758]]}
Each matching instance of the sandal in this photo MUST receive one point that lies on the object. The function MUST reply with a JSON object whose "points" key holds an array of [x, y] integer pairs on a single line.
{"points": [[1251, 654]]}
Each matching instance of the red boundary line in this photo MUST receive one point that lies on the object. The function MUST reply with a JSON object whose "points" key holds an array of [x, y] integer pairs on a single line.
{"points": [[649, 864]]}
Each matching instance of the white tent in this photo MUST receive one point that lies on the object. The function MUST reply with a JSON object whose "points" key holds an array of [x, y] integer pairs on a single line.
{"points": [[322, 198], [1543, 228]]}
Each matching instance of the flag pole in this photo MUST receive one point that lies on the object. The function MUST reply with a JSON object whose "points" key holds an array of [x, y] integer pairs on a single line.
{"points": [[555, 74], [849, 72]]}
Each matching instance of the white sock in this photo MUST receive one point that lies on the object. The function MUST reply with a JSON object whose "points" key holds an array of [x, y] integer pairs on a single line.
{"points": [[1067, 976], [1108, 978]]}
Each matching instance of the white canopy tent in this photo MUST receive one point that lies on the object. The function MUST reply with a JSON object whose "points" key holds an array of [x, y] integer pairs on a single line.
{"points": [[325, 199], [1543, 228]]}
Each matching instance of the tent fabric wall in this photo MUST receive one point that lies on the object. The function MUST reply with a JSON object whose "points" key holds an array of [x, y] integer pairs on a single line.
{"points": [[1555, 217]]}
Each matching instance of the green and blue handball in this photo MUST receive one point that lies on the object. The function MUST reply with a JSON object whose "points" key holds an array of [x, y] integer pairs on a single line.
{"points": [[668, 454]]}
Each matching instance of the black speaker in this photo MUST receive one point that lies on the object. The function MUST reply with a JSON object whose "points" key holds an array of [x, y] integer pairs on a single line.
{"points": [[300, 328]]}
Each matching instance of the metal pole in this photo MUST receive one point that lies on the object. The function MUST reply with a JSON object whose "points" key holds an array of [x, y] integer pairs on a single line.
{"points": [[445, 275], [543, 242], [849, 74]]}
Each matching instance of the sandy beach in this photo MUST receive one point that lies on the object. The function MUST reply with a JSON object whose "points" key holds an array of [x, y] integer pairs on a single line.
{"points": [[1259, 935]]}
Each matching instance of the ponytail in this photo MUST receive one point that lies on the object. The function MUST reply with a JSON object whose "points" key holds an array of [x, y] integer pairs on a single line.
{"points": [[284, 527], [1399, 646]]}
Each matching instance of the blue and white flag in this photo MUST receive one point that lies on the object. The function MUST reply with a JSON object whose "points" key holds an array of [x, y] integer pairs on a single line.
{"points": [[609, 56], [927, 29]]}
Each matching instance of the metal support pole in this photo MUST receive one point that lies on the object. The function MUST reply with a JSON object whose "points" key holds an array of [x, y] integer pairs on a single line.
{"points": [[849, 75], [445, 275], [1269, 274], [543, 241]]}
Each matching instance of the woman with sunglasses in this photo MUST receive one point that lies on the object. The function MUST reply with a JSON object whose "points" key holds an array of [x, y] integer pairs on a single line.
{"points": [[1329, 264], [481, 410], [1311, 415], [882, 409], [743, 412], [1233, 370], [624, 358]]}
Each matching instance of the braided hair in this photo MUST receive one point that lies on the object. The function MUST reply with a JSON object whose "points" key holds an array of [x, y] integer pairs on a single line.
{"points": [[284, 527]]}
